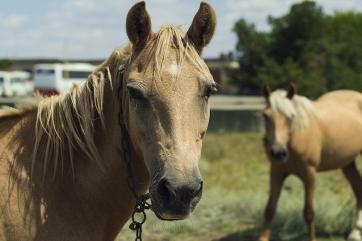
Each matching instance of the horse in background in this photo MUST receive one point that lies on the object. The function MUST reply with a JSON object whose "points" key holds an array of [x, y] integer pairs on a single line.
{"points": [[63, 174], [304, 137]]}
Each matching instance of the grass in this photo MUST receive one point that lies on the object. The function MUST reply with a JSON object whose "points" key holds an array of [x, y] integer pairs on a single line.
{"points": [[235, 174]]}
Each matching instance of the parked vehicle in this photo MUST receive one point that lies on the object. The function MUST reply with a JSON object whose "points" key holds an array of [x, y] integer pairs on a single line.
{"points": [[51, 79], [15, 83]]}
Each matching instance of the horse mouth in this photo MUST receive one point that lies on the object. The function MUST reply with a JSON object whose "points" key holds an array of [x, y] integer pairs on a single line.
{"points": [[279, 161], [173, 211], [277, 157], [168, 216], [175, 200]]}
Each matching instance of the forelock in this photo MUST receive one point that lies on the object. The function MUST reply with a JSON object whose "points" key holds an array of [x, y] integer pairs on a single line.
{"points": [[173, 37], [295, 109]]}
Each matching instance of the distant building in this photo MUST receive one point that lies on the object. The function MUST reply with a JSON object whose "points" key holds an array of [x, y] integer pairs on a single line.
{"points": [[217, 66]]}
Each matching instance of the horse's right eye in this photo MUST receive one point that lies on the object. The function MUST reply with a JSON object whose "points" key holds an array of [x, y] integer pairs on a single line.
{"points": [[136, 94]]}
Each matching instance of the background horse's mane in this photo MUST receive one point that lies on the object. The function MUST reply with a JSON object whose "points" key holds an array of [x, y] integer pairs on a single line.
{"points": [[296, 109]]}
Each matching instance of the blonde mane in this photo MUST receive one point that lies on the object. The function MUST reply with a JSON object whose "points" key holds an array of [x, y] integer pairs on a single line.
{"points": [[65, 123], [296, 109]]}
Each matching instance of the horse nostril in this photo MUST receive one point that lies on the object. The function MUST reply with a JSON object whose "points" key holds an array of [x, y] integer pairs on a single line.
{"points": [[274, 152], [201, 184], [184, 193], [191, 191], [165, 189], [279, 153]]}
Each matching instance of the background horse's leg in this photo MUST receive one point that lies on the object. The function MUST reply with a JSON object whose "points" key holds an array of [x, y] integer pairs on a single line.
{"points": [[355, 180], [276, 182], [309, 186]]}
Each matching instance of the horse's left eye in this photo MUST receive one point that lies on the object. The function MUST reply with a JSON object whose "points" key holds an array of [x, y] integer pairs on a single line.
{"points": [[208, 91], [266, 118]]}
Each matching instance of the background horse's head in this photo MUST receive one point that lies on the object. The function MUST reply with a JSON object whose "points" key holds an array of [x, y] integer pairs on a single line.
{"points": [[284, 113], [278, 114], [168, 86]]}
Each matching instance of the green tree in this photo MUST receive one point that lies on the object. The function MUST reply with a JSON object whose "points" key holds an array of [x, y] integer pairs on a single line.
{"points": [[251, 53], [5, 64], [344, 34], [292, 33], [317, 51]]}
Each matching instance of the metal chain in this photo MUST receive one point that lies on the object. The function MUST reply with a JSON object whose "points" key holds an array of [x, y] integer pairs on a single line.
{"points": [[142, 203], [139, 216]]}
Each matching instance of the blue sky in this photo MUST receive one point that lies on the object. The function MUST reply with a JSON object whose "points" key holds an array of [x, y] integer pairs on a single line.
{"points": [[93, 28]]}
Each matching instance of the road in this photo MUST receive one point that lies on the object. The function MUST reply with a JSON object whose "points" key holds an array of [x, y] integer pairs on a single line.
{"points": [[16, 101]]}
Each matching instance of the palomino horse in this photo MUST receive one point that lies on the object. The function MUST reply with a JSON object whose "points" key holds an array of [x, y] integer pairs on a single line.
{"points": [[63, 177], [304, 137]]}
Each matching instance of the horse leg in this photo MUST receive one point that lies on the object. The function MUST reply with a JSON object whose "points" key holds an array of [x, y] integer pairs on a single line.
{"points": [[276, 182], [354, 178], [309, 188]]}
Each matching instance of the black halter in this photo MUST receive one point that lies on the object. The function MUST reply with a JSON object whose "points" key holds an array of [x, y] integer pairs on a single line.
{"points": [[142, 203]]}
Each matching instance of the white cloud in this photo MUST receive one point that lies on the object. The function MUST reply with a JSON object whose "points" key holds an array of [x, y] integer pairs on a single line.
{"points": [[256, 11], [12, 20], [86, 28], [331, 6], [92, 28]]}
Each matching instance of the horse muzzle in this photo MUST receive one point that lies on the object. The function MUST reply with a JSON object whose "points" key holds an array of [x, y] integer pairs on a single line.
{"points": [[175, 201], [279, 154]]}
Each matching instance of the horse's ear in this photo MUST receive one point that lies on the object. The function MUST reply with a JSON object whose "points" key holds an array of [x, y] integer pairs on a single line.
{"points": [[203, 27], [291, 91], [266, 91], [138, 25]]}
